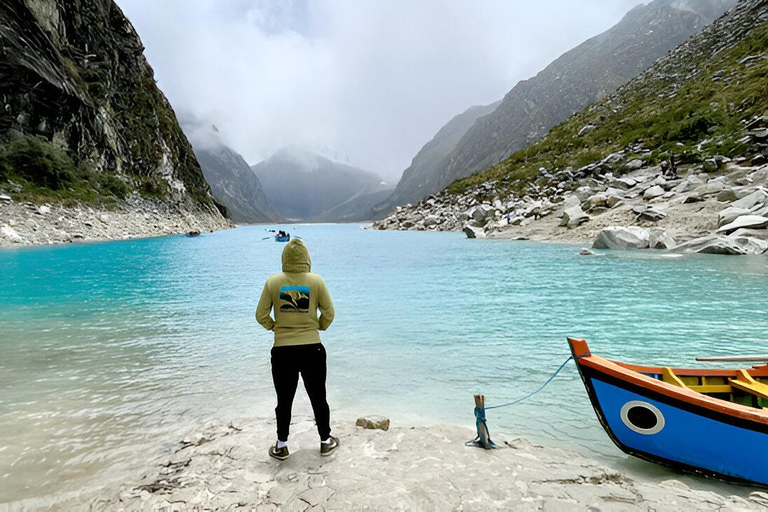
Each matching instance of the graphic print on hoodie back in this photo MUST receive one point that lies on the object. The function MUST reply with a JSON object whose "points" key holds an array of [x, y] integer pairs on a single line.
{"points": [[295, 295]]}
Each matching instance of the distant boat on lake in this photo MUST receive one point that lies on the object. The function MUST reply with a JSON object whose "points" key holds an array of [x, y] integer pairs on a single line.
{"points": [[706, 421]]}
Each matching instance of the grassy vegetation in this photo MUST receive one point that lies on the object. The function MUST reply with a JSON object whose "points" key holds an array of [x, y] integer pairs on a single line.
{"points": [[46, 173], [709, 106]]}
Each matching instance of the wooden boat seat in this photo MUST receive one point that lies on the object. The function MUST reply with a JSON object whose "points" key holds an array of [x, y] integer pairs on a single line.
{"points": [[700, 383], [746, 383], [668, 376]]}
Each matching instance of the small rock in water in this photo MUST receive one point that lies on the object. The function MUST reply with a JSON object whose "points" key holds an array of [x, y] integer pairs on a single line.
{"points": [[473, 232], [587, 252], [373, 422]]}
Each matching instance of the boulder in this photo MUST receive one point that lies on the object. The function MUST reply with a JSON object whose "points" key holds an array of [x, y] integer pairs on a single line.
{"points": [[5, 198], [750, 244], [712, 187], [584, 192], [11, 234], [744, 221], [585, 130], [587, 252], [710, 165], [652, 214], [758, 197], [727, 195], [730, 214], [474, 232], [571, 201], [624, 183], [716, 244], [688, 184], [659, 239], [653, 192], [373, 422], [633, 164], [574, 217], [622, 238], [481, 213]]}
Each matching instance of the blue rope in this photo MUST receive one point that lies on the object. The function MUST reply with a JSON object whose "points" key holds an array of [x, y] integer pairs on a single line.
{"points": [[480, 411], [529, 395]]}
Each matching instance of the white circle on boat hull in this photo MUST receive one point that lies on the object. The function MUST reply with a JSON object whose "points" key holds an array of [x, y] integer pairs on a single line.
{"points": [[643, 405]]}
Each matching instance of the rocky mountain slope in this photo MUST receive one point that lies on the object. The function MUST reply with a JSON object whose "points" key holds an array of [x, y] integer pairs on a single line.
{"points": [[682, 148], [304, 186], [233, 183], [83, 122], [574, 80], [422, 177]]}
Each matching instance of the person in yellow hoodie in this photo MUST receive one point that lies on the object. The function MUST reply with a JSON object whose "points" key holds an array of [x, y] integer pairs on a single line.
{"points": [[295, 295]]}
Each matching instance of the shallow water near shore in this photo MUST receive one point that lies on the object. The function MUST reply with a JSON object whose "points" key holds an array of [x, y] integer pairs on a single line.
{"points": [[112, 351]]}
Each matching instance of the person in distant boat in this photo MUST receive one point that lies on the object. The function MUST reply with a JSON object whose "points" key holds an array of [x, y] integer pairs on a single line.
{"points": [[296, 295]]}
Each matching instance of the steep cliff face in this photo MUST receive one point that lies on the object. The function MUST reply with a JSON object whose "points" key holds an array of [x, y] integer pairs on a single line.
{"points": [[576, 79], [304, 186], [235, 185], [81, 114], [422, 177]]}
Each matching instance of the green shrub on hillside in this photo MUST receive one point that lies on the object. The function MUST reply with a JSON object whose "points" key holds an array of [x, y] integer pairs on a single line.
{"points": [[710, 106], [47, 173], [36, 160]]}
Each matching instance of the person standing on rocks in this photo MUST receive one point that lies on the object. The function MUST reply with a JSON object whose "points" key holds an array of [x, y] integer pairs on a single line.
{"points": [[296, 295]]}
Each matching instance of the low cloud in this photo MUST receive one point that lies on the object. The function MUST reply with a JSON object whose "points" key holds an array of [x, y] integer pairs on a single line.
{"points": [[363, 82]]}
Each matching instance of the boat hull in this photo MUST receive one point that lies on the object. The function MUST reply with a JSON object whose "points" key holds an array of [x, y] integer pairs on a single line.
{"points": [[282, 239], [646, 420]]}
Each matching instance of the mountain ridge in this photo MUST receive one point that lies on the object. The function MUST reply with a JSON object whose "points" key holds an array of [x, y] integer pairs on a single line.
{"points": [[304, 186], [536, 104]]}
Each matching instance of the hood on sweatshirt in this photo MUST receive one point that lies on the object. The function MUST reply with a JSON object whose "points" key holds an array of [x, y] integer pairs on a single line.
{"points": [[296, 257]]}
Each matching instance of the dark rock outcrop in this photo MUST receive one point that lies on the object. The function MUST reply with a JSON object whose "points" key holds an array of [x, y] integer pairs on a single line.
{"points": [[74, 78], [235, 185]]}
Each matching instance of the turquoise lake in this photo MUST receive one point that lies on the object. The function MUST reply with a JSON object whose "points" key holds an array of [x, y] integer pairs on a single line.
{"points": [[112, 352]]}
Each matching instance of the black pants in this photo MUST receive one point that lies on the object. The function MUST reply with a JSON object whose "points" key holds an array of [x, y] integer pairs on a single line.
{"points": [[287, 364]]}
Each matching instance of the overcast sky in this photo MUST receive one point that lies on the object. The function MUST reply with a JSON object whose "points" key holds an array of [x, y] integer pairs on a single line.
{"points": [[367, 82]]}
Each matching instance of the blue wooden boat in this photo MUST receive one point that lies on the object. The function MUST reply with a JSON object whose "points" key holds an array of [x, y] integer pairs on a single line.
{"points": [[705, 421], [286, 238]]}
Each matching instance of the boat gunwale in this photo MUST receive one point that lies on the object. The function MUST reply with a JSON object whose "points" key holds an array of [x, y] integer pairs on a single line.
{"points": [[756, 371], [632, 376]]}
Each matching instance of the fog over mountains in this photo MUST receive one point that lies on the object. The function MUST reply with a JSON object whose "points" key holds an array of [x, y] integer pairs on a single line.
{"points": [[304, 186], [574, 80]]}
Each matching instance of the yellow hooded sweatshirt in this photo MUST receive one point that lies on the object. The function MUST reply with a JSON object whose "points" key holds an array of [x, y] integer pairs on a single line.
{"points": [[295, 294]]}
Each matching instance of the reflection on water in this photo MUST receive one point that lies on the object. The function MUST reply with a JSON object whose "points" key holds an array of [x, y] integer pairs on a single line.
{"points": [[111, 351]]}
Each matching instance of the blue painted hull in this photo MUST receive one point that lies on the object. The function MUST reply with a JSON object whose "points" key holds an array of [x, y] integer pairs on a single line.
{"points": [[282, 239], [687, 440], [670, 425]]}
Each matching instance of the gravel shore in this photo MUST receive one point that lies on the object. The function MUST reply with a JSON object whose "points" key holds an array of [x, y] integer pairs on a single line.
{"points": [[24, 223]]}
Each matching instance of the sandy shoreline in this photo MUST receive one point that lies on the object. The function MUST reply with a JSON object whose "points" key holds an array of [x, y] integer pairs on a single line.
{"points": [[226, 466]]}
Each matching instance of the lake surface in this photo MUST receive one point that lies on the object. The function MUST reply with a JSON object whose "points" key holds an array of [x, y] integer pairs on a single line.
{"points": [[112, 352]]}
